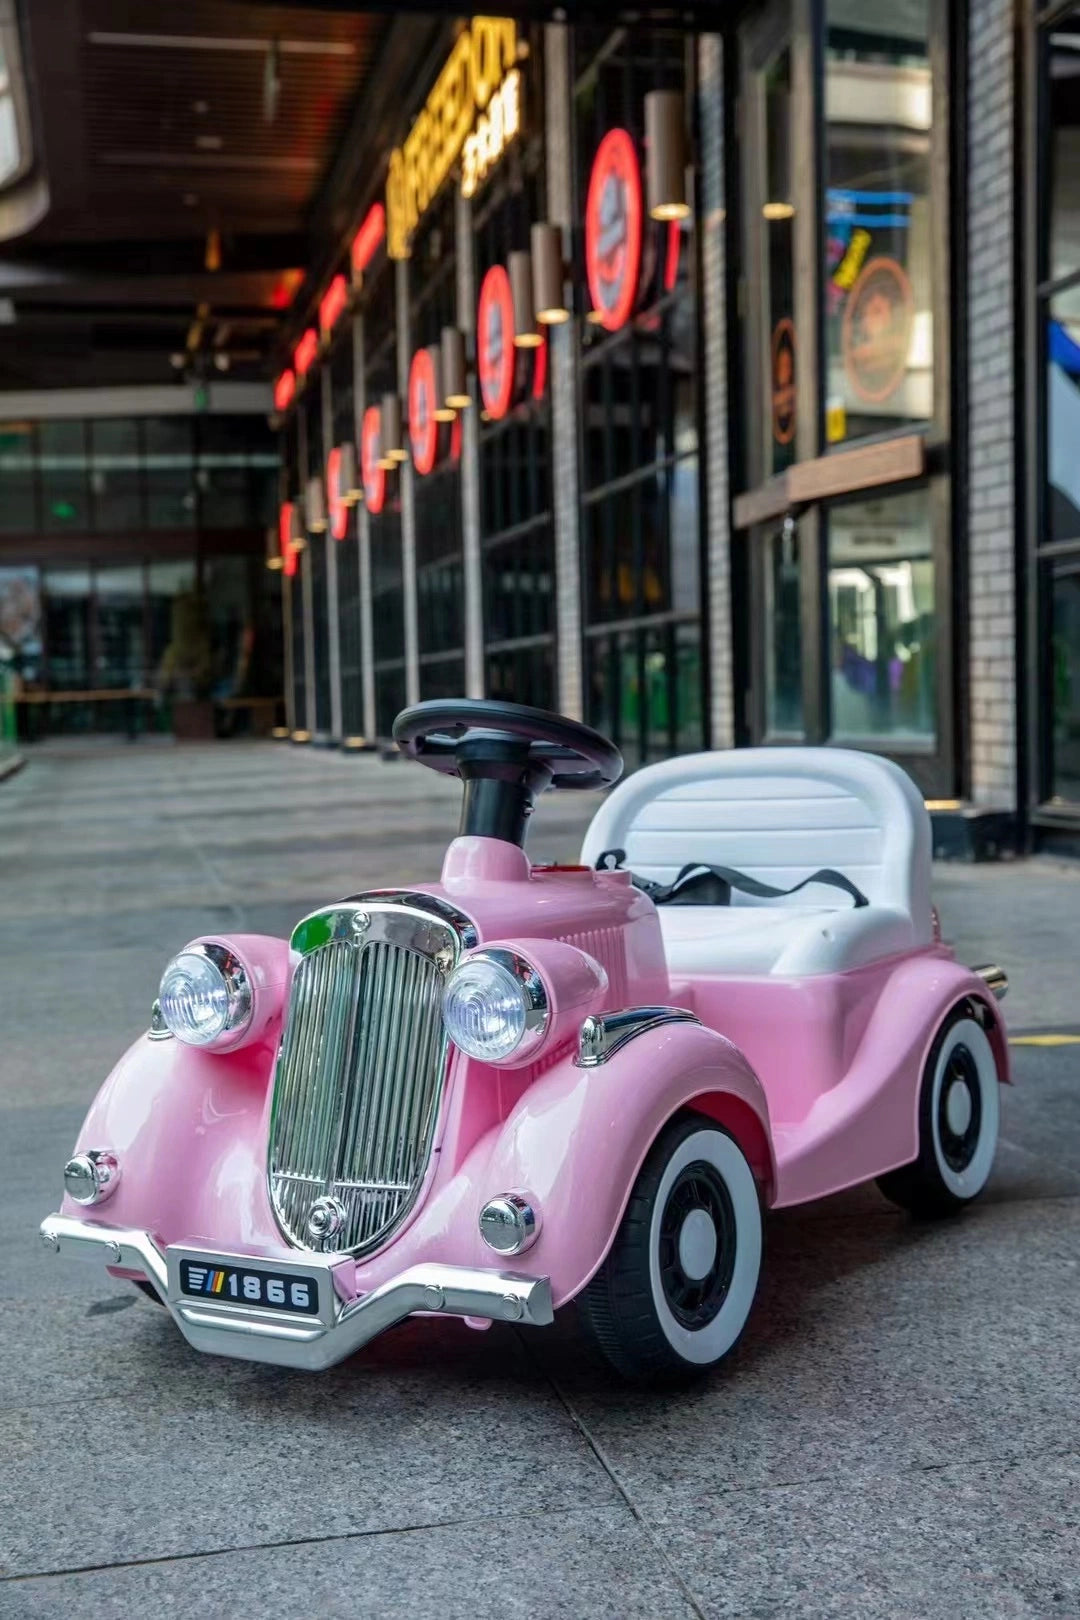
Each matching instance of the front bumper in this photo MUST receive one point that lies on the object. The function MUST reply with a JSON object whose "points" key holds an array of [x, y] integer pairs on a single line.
{"points": [[309, 1343]]}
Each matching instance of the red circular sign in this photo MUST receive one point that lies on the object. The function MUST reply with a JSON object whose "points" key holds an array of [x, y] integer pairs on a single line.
{"points": [[339, 512], [876, 330], [423, 403], [373, 475], [495, 353], [613, 224]]}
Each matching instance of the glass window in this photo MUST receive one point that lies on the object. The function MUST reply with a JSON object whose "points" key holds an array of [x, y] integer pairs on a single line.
{"points": [[64, 489], [67, 629], [227, 584], [115, 476], [165, 582], [20, 623], [882, 619], [121, 627], [783, 633], [1065, 675], [877, 280], [170, 472], [18, 506], [1063, 109], [1063, 417]]}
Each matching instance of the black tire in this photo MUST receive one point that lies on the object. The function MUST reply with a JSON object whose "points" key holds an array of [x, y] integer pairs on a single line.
{"points": [[653, 1320], [959, 1115], [149, 1290]]}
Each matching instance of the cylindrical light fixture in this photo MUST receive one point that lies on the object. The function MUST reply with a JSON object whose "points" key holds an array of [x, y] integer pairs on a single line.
{"points": [[443, 411], [519, 266], [315, 505], [393, 439], [348, 482], [665, 154], [274, 559], [297, 537], [454, 380], [548, 274]]}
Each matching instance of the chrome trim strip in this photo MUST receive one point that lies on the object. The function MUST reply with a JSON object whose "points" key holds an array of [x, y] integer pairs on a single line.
{"points": [[433, 904], [995, 979], [604, 1034], [307, 1344]]}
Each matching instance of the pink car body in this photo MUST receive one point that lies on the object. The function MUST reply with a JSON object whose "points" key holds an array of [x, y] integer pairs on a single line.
{"points": [[816, 1077]]}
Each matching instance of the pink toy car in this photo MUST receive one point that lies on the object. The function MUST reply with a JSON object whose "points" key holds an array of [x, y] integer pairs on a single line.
{"points": [[523, 1085]]}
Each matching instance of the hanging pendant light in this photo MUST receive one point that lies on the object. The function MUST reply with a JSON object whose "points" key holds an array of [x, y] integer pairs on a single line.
{"points": [[519, 266], [348, 483], [443, 412], [315, 505], [454, 379], [548, 274], [665, 155], [393, 439]]}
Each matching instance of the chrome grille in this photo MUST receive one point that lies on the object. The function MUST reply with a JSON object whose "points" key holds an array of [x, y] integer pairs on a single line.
{"points": [[360, 1071]]}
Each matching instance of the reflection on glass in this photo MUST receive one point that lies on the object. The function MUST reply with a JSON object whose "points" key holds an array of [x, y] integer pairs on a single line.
{"points": [[1065, 655], [1063, 125], [1063, 417], [878, 109], [777, 226], [121, 627], [62, 460], [18, 507], [115, 475], [881, 619], [783, 631], [20, 623], [67, 629], [165, 582]]}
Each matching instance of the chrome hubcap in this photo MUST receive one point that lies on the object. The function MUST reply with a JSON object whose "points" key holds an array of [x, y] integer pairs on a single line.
{"points": [[697, 1244]]}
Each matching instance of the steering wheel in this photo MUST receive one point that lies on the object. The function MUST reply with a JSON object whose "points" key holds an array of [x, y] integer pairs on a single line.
{"points": [[505, 753]]}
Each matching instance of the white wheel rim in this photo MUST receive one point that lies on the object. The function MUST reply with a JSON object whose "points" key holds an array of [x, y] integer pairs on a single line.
{"points": [[712, 1341], [972, 1178]]}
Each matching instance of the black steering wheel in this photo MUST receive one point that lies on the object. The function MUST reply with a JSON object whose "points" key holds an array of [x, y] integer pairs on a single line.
{"points": [[505, 753]]}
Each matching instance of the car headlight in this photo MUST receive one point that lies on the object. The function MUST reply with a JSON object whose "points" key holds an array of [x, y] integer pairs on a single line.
{"points": [[495, 1005], [206, 996]]}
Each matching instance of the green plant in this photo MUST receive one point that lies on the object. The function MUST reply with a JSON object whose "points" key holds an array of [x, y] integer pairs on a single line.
{"points": [[187, 664]]}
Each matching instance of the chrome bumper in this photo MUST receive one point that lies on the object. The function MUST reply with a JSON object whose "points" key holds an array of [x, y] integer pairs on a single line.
{"points": [[289, 1341]]}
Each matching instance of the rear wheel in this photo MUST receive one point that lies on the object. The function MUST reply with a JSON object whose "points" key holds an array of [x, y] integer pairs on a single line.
{"points": [[674, 1293], [959, 1111]]}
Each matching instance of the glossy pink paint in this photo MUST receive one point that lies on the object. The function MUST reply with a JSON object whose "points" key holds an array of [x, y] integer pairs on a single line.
{"points": [[817, 1078]]}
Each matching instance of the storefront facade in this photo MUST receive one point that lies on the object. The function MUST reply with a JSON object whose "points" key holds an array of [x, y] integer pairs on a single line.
{"points": [[758, 469]]}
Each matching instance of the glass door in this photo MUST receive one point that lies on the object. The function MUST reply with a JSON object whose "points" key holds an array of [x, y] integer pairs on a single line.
{"points": [[843, 507]]}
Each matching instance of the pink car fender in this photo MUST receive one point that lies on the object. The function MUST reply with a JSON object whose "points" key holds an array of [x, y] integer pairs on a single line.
{"points": [[868, 1123], [577, 1139]]}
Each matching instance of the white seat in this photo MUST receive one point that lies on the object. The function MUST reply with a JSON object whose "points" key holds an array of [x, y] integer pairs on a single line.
{"points": [[778, 814]]}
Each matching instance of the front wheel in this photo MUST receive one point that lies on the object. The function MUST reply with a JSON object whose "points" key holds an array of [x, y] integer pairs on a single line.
{"points": [[674, 1293], [959, 1110]]}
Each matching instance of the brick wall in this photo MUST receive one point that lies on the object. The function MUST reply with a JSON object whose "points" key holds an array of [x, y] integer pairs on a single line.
{"points": [[990, 368]]}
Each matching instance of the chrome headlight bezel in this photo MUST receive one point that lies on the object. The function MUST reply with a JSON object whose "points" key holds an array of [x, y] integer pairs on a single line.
{"points": [[521, 982], [239, 994]]}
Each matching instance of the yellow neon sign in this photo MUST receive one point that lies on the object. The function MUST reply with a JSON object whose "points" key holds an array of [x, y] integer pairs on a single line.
{"points": [[474, 110]]}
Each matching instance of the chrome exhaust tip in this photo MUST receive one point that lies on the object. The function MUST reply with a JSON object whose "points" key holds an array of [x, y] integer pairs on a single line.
{"points": [[995, 979]]}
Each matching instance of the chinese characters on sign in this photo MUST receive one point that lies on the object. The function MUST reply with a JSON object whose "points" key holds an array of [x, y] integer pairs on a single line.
{"points": [[480, 78]]}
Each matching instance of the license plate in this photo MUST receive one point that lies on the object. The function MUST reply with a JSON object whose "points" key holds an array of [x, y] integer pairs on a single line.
{"points": [[250, 1286]]}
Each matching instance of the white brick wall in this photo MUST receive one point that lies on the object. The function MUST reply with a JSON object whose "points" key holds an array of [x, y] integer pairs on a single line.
{"points": [[990, 363]]}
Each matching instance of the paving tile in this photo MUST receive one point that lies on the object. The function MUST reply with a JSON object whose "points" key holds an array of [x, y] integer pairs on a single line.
{"points": [[517, 1565], [875, 1345], [201, 1455], [956, 1541]]}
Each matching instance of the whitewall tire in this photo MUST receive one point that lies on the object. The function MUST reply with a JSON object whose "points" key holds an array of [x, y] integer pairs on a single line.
{"points": [[959, 1117], [674, 1293]]}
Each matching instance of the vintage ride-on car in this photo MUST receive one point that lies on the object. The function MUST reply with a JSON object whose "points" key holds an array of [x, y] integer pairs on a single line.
{"points": [[524, 1085]]}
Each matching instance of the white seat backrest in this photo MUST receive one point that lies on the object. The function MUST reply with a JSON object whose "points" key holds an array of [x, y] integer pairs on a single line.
{"points": [[777, 814]]}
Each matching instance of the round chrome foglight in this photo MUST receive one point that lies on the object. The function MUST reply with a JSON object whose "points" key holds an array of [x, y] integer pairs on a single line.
{"points": [[495, 1006], [90, 1178], [206, 997]]}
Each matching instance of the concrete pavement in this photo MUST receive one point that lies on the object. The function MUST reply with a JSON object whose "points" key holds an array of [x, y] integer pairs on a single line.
{"points": [[896, 1436]]}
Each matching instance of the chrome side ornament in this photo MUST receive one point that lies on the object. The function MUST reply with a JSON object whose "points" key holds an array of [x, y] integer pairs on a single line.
{"points": [[995, 979], [509, 1224], [604, 1034], [325, 1219]]}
